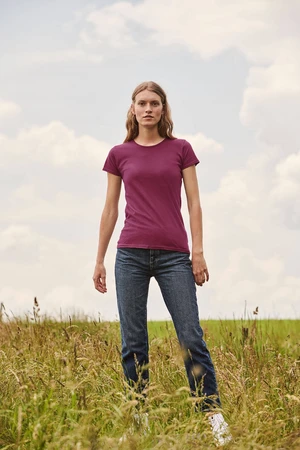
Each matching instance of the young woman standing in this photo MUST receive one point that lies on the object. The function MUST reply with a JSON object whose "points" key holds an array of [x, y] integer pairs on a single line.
{"points": [[152, 164]]}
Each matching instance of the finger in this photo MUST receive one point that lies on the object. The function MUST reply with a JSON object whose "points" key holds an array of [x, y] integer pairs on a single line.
{"points": [[203, 276], [102, 284], [199, 280], [101, 289], [206, 274], [99, 286]]}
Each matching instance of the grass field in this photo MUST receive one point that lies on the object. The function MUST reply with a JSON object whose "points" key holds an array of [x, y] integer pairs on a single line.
{"points": [[61, 386]]}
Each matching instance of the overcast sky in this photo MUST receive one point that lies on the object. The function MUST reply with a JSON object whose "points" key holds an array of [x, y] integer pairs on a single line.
{"points": [[231, 70]]}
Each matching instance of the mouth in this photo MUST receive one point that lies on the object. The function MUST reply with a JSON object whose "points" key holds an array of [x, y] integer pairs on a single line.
{"points": [[148, 117]]}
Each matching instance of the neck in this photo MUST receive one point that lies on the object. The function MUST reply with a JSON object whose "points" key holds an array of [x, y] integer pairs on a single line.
{"points": [[148, 136]]}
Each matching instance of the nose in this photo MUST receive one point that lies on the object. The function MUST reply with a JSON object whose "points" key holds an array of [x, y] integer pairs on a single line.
{"points": [[148, 108]]}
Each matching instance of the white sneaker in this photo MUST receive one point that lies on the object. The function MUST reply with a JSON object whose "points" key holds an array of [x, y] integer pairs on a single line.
{"points": [[141, 422], [220, 429], [140, 425]]}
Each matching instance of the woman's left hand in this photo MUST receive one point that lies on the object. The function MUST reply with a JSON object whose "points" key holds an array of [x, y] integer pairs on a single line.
{"points": [[200, 270]]}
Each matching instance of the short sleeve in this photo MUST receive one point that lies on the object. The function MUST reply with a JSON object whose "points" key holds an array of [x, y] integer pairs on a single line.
{"points": [[111, 165], [189, 157]]}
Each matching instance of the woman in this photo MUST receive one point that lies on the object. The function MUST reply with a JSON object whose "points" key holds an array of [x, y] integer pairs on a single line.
{"points": [[152, 164]]}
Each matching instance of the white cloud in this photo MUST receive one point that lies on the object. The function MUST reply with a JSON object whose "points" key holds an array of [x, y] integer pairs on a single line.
{"points": [[202, 144], [60, 56], [8, 109], [109, 26], [255, 281], [33, 264], [243, 240], [19, 243], [15, 237], [288, 178], [56, 144], [285, 193], [58, 273], [240, 205], [257, 29], [16, 301], [27, 204], [62, 296], [271, 104], [206, 28]]}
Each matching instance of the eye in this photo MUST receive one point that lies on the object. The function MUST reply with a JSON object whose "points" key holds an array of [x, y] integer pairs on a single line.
{"points": [[141, 103]]}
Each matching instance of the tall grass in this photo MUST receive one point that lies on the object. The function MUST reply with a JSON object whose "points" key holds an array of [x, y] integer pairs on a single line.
{"points": [[61, 386]]}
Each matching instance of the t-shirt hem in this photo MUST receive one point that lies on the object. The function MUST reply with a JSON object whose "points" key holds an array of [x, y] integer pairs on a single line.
{"points": [[154, 247], [111, 171], [192, 163]]}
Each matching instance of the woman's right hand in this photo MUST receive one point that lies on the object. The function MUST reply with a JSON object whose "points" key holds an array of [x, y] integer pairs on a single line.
{"points": [[99, 278]]}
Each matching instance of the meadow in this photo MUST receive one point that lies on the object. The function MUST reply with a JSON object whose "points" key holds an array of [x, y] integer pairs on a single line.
{"points": [[61, 386]]}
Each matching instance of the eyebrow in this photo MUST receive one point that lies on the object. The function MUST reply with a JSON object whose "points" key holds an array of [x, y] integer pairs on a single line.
{"points": [[145, 100]]}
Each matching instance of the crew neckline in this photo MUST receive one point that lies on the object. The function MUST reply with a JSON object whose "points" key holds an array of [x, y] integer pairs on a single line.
{"points": [[149, 146]]}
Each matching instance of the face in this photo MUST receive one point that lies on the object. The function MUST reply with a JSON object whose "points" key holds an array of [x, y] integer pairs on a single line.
{"points": [[147, 108]]}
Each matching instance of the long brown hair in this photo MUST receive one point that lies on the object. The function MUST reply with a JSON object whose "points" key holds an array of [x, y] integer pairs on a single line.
{"points": [[165, 125]]}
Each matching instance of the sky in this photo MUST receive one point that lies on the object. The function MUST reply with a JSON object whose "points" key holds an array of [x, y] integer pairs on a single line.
{"points": [[231, 70]]}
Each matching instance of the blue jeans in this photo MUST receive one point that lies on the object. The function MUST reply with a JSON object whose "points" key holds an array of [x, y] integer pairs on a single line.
{"points": [[173, 271]]}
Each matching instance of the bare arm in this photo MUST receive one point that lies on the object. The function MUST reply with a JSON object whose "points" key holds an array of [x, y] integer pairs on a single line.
{"points": [[107, 224], [195, 211]]}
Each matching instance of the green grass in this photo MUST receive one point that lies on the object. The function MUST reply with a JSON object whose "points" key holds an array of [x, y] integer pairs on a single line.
{"points": [[61, 386]]}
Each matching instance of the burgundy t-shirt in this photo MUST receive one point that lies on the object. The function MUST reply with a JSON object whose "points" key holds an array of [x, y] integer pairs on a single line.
{"points": [[152, 177]]}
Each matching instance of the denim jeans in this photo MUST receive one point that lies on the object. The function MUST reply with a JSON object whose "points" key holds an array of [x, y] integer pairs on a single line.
{"points": [[173, 271]]}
